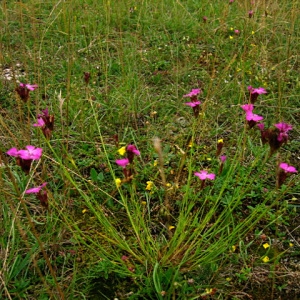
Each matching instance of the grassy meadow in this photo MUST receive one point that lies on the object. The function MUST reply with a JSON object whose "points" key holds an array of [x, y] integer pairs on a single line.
{"points": [[163, 154]]}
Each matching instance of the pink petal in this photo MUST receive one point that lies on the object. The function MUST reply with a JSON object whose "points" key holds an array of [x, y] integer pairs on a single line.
{"points": [[193, 104], [247, 107], [287, 168], [223, 158], [261, 126], [13, 152], [36, 189], [31, 87], [193, 92], [283, 127], [40, 123], [122, 162]]}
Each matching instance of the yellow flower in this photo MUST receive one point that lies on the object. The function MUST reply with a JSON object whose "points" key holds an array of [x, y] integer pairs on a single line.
{"points": [[171, 227], [118, 182], [84, 211], [228, 279], [208, 291], [190, 144], [231, 37], [208, 158], [122, 150], [233, 248], [144, 202], [291, 244], [265, 259], [220, 141], [168, 184], [231, 28], [149, 185], [252, 32], [266, 245], [155, 163]]}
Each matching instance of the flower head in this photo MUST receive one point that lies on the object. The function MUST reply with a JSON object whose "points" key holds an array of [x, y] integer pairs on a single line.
{"points": [[28, 86], [122, 162], [23, 90], [40, 123], [255, 92], [131, 151], [284, 169], [287, 168], [46, 122], [122, 150], [193, 104], [193, 93], [31, 153], [223, 158], [35, 190], [247, 107], [250, 13], [149, 185], [40, 194], [205, 175]]}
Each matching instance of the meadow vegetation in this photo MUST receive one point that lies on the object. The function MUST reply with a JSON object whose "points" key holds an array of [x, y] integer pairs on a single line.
{"points": [[149, 149]]}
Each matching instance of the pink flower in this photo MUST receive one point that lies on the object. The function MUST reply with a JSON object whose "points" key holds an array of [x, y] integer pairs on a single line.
{"points": [[258, 91], [122, 162], [255, 92], [36, 189], [193, 93], [247, 107], [13, 152], [237, 31], [28, 86], [253, 117], [31, 153], [283, 131], [23, 90], [204, 19], [250, 13], [40, 123], [261, 126], [283, 127], [205, 175], [223, 158], [132, 149], [287, 168], [193, 104]]}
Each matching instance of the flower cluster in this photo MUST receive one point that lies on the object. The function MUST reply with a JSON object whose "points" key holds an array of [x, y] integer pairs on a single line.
{"points": [[194, 103], [275, 136], [45, 122], [130, 151], [251, 118]]}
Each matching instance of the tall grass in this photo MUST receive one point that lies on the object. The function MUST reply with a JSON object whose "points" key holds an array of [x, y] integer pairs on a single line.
{"points": [[179, 238]]}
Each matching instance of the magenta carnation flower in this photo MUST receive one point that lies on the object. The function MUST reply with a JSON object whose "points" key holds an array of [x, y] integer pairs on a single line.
{"points": [[205, 175], [122, 162], [287, 168], [31, 153], [35, 190]]}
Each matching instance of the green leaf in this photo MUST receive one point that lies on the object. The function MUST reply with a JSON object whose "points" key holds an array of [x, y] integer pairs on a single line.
{"points": [[94, 174]]}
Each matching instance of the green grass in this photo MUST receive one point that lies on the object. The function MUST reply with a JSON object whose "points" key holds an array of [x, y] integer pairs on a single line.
{"points": [[179, 240]]}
